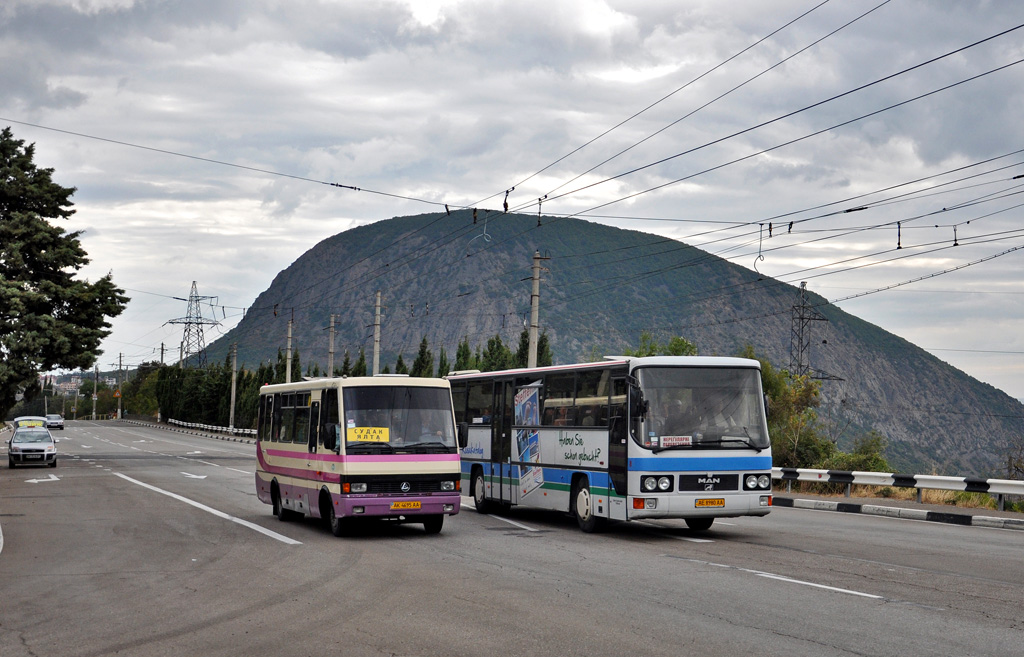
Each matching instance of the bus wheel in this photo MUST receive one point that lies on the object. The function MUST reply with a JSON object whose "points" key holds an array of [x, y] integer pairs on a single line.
{"points": [[283, 514], [433, 524], [338, 525], [699, 524], [481, 503], [583, 506]]}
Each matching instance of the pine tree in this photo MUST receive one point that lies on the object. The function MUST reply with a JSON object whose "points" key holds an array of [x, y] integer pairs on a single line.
{"points": [[424, 363], [359, 369], [400, 366], [443, 367], [48, 318]]}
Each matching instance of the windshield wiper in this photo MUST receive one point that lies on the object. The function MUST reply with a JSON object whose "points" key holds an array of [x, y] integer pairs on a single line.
{"points": [[382, 448]]}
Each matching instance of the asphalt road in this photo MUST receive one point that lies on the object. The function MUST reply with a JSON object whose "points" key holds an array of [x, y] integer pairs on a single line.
{"points": [[147, 542]]}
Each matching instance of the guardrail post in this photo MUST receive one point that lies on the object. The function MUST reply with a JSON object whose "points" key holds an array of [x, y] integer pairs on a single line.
{"points": [[1001, 501], [918, 495], [789, 485], [848, 488]]}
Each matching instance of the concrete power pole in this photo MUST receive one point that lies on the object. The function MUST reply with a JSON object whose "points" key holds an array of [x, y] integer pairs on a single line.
{"points": [[120, 379], [95, 390], [330, 348], [234, 384], [376, 336], [288, 353], [531, 358]]}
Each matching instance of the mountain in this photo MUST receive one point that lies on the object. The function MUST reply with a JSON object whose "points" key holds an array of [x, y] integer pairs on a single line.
{"points": [[449, 277]]}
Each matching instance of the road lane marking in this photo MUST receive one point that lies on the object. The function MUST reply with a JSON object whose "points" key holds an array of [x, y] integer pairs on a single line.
{"points": [[36, 481], [219, 514], [781, 578], [192, 476], [245, 472]]}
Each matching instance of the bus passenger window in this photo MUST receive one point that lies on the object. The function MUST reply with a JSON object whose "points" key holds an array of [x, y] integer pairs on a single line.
{"points": [[558, 401], [478, 403], [459, 402], [592, 398]]}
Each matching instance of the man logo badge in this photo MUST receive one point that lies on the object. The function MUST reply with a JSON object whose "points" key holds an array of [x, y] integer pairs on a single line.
{"points": [[406, 487]]}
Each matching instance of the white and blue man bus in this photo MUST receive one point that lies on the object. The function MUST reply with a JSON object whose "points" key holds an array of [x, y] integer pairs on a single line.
{"points": [[624, 439], [342, 449]]}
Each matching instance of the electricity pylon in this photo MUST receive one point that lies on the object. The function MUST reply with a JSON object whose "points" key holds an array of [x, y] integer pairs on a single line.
{"points": [[193, 345]]}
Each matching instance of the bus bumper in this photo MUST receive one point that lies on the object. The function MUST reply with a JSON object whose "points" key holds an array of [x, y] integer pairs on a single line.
{"points": [[692, 506], [349, 506]]}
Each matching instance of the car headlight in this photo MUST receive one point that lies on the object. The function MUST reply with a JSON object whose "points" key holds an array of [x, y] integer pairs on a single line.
{"points": [[665, 484], [650, 483]]}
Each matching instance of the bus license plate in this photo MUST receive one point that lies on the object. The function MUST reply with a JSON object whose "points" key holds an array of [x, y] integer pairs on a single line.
{"points": [[712, 502], [405, 505]]}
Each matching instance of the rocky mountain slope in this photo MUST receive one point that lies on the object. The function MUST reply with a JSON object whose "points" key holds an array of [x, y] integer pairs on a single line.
{"points": [[448, 277]]}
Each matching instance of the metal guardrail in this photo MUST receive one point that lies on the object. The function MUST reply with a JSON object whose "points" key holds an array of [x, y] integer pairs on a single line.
{"points": [[234, 431], [997, 487]]}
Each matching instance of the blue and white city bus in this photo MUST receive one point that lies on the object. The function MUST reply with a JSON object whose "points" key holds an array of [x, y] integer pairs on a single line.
{"points": [[624, 439]]}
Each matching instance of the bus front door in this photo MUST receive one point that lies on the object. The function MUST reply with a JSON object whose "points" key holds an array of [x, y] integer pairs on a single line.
{"points": [[501, 441]]}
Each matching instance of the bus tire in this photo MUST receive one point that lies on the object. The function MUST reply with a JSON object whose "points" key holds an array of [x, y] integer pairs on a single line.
{"points": [[339, 526], [283, 514], [583, 507], [479, 499], [699, 524], [432, 524]]}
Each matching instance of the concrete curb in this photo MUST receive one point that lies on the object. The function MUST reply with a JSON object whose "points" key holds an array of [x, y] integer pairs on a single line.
{"points": [[899, 512]]}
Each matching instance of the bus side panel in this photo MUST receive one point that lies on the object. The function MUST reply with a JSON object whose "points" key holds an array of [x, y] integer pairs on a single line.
{"points": [[477, 452]]}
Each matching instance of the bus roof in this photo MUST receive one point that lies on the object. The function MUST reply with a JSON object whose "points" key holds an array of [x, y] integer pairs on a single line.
{"points": [[632, 363], [349, 381]]}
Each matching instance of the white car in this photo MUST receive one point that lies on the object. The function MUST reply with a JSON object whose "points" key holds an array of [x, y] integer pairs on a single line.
{"points": [[54, 421], [32, 445]]}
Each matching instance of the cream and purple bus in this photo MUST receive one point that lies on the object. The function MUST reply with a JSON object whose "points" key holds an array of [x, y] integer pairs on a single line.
{"points": [[625, 439], [346, 448]]}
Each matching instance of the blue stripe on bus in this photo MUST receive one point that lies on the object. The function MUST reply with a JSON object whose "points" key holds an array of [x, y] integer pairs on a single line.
{"points": [[701, 464]]}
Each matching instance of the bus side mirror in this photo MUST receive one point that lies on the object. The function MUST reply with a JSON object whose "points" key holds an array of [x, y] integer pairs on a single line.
{"points": [[463, 435]]}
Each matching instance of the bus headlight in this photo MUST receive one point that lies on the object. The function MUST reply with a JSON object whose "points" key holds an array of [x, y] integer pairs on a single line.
{"points": [[751, 481], [650, 483], [764, 481], [447, 486], [665, 484], [357, 488]]}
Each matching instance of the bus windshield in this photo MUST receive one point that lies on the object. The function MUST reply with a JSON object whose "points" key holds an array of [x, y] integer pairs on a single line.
{"points": [[701, 408], [399, 420]]}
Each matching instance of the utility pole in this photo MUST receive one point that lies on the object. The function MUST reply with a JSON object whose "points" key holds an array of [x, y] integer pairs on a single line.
{"points": [[330, 348], [161, 353], [288, 352], [120, 379], [234, 384], [376, 336], [95, 391], [531, 358]]}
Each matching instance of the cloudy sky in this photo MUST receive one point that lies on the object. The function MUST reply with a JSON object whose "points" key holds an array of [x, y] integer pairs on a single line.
{"points": [[200, 135]]}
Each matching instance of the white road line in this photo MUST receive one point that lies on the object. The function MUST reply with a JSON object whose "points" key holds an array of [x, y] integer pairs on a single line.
{"points": [[237, 470], [219, 514], [513, 522], [818, 586]]}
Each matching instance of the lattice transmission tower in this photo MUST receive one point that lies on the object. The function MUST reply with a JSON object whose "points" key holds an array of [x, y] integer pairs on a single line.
{"points": [[800, 339], [193, 344]]}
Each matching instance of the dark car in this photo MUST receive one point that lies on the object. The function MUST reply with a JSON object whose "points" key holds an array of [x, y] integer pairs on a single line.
{"points": [[31, 446]]}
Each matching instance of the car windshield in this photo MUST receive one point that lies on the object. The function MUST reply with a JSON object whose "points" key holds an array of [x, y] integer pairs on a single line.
{"points": [[701, 408], [53, 417], [398, 419], [31, 437]]}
